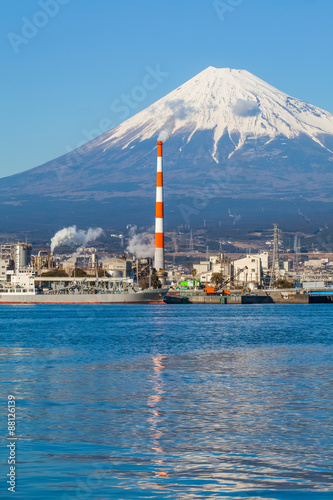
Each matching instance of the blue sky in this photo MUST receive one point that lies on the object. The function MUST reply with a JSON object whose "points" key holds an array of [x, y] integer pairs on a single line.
{"points": [[66, 62]]}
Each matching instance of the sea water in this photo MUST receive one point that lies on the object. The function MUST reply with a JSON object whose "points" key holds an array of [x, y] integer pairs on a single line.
{"points": [[168, 401]]}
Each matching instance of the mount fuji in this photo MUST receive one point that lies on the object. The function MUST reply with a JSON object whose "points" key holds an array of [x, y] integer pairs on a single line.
{"points": [[233, 141]]}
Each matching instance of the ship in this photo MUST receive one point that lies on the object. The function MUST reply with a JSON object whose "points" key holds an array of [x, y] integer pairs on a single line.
{"points": [[25, 288], [24, 283]]}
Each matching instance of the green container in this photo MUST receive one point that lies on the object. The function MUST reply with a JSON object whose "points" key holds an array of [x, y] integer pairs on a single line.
{"points": [[186, 284], [223, 301]]}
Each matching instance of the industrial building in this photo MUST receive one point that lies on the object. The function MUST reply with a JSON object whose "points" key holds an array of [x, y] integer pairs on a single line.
{"points": [[14, 257], [117, 266], [215, 264], [249, 269]]}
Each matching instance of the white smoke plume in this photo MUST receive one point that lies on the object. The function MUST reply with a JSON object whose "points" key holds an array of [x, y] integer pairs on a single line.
{"points": [[78, 252], [166, 131], [141, 245], [74, 236], [179, 111]]}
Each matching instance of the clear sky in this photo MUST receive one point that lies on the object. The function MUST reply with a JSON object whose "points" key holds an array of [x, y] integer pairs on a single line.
{"points": [[67, 63]]}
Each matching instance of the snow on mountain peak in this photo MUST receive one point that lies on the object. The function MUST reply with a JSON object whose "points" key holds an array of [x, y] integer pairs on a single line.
{"points": [[228, 101]]}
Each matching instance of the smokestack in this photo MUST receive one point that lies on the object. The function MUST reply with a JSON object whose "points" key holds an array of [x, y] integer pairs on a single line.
{"points": [[159, 230]]}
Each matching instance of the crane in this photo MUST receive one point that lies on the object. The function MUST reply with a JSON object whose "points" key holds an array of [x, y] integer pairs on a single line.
{"points": [[220, 289]]}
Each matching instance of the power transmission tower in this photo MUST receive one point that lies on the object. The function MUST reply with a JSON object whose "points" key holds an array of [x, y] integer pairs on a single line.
{"points": [[275, 269], [175, 249], [297, 248], [190, 247]]}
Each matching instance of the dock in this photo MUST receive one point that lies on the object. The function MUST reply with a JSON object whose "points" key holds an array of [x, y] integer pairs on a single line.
{"points": [[259, 297]]}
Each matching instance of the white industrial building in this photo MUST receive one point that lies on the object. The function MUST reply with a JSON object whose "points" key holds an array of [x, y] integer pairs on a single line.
{"points": [[264, 257], [253, 265], [118, 267], [5, 264], [215, 264], [252, 269], [316, 263], [202, 267], [257, 265]]}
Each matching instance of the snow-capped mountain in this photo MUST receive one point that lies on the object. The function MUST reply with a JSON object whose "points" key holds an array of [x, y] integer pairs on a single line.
{"points": [[227, 101], [231, 136]]}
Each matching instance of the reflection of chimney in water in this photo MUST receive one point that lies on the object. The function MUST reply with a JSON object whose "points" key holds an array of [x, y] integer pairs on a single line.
{"points": [[159, 220]]}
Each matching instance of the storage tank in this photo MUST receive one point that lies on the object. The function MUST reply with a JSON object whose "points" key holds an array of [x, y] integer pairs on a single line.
{"points": [[115, 274], [22, 255]]}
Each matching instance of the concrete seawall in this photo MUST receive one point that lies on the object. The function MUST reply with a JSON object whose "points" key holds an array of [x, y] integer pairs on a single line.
{"points": [[272, 297]]}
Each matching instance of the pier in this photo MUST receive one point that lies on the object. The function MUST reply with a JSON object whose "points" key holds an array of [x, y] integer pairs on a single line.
{"points": [[260, 297]]}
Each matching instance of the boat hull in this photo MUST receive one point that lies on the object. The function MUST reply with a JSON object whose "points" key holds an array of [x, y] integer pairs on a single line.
{"points": [[143, 297]]}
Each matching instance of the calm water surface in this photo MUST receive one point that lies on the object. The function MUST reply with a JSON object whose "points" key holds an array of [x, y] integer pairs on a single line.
{"points": [[180, 402]]}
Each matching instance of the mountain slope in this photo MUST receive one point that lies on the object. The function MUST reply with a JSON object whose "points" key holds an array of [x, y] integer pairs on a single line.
{"points": [[232, 102], [231, 135]]}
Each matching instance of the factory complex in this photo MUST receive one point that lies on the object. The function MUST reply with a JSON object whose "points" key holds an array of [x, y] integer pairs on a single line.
{"points": [[83, 277]]}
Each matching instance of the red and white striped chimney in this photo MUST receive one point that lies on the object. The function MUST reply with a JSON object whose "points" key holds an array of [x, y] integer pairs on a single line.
{"points": [[159, 230]]}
